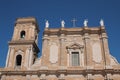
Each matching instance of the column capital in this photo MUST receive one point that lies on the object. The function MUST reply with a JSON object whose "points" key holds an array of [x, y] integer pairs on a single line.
{"points": [[86, 36], [45, 37], [104, 35]]}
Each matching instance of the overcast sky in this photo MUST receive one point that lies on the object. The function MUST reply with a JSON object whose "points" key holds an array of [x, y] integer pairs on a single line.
{"points": [[57, 10]]}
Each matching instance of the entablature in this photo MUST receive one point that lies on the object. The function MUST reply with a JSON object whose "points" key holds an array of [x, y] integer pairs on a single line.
{"points": [[57, 72], [76, 31]]}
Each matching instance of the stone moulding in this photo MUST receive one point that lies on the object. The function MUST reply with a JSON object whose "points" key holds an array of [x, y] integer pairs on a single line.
{"points": [[69, 31], [58, 72], [27, 42], [75, 46], [27, 20]]}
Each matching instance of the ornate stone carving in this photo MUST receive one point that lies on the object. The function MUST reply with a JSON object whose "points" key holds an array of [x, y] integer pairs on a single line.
{"points": [[76, 48]]}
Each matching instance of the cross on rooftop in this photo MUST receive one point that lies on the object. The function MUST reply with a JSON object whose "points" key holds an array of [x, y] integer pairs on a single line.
{"points": [[74, 21]]}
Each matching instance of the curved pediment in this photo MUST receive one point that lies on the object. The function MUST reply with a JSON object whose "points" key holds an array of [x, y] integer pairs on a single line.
{"points": [[75, 46]]}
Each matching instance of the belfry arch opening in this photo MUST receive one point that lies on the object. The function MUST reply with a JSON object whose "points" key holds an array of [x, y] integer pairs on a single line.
{"points": [[22, 34], [18, 60]]}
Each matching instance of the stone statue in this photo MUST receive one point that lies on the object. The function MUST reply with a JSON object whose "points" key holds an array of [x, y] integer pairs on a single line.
{"points": [[47, 24], [85, 22], [101, 22], [63, 23]]}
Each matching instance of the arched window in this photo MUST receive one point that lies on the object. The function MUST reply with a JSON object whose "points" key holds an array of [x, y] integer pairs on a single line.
{"points": [[22, 34], [18, 60]]}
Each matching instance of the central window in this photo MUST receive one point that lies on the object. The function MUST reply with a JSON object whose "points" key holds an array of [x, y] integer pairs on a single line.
{"points": [[75, 59], [75, 56]]}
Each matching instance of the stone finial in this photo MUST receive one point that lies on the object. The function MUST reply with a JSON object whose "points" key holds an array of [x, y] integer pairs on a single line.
{"points": [[85, 22], [62, 23], [101, 22], [47, 24]]}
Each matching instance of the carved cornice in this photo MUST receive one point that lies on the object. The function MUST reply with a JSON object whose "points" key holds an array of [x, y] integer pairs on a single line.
{"points": [[21, 42], [58, 72], [24, 42], [71, 31], [27, 20]]}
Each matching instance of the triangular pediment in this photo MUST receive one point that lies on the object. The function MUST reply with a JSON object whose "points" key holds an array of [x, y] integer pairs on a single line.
{"points": [[75, 46]]}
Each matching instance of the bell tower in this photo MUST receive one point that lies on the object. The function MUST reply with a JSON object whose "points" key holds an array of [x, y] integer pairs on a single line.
{"points": [[23, 48]]}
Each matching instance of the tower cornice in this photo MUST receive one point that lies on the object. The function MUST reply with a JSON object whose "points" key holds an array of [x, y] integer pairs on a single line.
{"points": [[25, 42], [27, 20]]}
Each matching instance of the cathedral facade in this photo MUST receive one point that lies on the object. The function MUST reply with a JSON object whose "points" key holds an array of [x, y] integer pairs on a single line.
{"points": [[79, 53]]}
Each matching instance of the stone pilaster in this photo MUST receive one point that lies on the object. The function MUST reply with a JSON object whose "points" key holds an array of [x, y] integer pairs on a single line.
{"points": [[3, 77], [11, 58], [43, 77], [0, 75], [45, 51], [88, 52], [27, 57], [28, 77], [7, 59], [108, 77], [90, 77], [105, 50], [62, 53], [61, 77], [31, 55]]}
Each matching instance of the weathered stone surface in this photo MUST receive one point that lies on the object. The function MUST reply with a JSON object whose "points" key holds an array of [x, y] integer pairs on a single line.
{"points": [[55, 63]]}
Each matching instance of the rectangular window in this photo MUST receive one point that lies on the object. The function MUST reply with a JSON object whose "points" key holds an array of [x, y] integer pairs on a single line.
{"points": [[75, 59]]}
